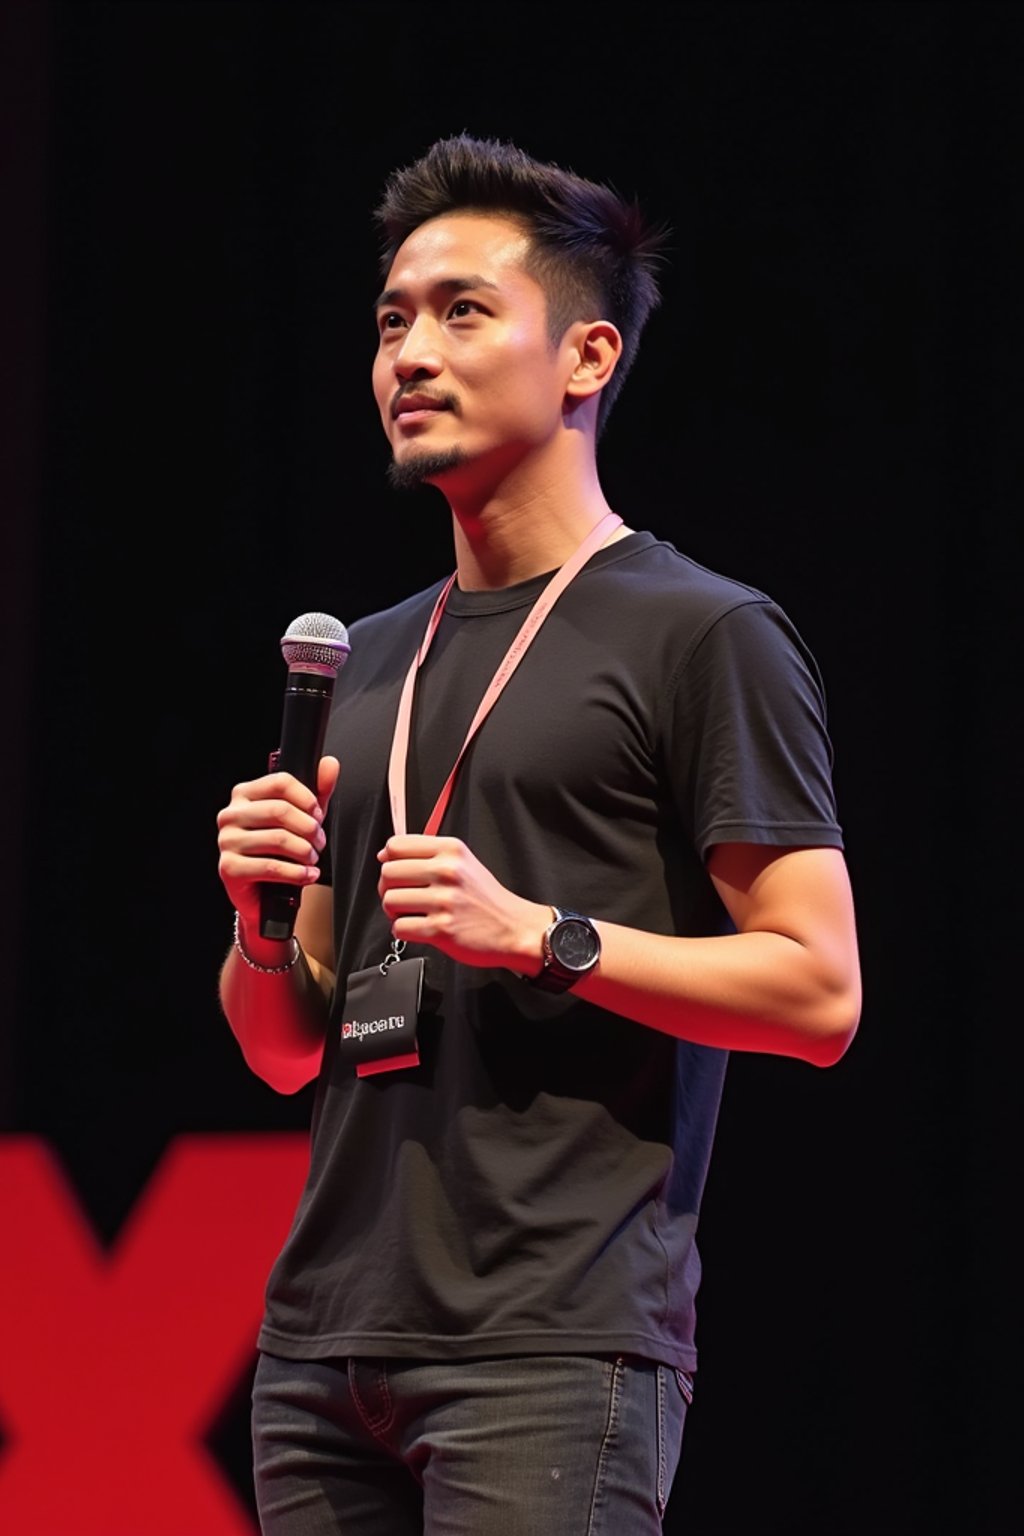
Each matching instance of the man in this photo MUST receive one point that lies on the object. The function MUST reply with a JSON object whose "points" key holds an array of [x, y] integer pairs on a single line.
{"points": [[582, 845]]}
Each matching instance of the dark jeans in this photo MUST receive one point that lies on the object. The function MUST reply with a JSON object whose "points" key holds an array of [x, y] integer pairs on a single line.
{"points": [[542, 1445]]}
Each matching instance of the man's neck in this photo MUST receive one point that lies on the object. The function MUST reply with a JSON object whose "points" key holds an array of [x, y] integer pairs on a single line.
{"points": [[509, 538], [490, 556]]}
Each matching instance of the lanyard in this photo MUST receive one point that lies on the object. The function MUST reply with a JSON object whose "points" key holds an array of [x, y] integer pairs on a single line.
{"points": [[513, 656]]}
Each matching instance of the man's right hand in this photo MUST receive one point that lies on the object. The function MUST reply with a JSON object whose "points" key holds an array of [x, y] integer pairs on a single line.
{"points": [[271, 830]]}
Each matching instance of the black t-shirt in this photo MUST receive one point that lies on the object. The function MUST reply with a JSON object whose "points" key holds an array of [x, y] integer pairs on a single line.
{"points": [[534, 1184]]}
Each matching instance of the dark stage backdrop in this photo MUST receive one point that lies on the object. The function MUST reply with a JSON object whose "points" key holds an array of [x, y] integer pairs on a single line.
{"points": [[823, 407]]}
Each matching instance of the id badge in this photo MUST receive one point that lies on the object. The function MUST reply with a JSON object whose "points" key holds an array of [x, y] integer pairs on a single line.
{"points": [[382, 1004]]}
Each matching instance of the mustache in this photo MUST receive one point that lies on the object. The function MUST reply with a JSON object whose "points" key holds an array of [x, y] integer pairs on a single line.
{"points": [[440, 402]]}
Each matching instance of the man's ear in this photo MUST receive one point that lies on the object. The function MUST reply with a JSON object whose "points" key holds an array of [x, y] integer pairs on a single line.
{"points": [[595, 349]]}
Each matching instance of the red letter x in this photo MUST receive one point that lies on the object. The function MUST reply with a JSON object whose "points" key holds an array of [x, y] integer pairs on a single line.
{"points": [[113, 1366]]}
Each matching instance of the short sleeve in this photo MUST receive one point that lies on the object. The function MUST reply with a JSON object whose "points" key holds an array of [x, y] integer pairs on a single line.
{"points": [[747, 742]]}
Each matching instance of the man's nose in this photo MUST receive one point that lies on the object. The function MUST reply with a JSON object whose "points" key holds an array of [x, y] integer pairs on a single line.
{"points": [[419, 352]]}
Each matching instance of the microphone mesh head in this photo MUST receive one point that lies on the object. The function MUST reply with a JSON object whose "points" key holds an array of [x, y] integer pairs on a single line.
{"points": [[315, 642]]}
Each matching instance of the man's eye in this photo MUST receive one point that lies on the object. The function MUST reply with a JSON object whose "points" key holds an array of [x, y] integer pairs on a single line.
{"points": [[390, 320], [463, 307]]}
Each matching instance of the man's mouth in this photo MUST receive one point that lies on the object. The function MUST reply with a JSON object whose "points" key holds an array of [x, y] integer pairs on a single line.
{"points": [[419, 404]]}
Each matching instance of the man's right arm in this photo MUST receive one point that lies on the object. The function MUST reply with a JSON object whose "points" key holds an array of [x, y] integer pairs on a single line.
{"points": [[272, 831], [279, 1017]]}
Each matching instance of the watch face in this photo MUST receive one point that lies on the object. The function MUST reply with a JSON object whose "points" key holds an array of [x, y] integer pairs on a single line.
{"points": [[574, 944]]}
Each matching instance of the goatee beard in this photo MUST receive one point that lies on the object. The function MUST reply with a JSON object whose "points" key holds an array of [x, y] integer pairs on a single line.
{"points": [[422, 468]]}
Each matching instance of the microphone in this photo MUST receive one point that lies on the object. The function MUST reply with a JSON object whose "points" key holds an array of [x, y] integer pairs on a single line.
{"points": [[315, 647]]}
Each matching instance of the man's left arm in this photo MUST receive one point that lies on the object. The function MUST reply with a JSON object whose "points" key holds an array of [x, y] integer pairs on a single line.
{"points": [[787, 982]]}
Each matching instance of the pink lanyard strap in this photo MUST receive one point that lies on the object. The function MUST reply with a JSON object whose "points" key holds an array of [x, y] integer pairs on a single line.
{"points": [[513, 656]]}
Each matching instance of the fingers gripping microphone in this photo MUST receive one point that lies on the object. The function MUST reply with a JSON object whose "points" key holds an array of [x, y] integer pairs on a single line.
{"points": [[315, 647]]}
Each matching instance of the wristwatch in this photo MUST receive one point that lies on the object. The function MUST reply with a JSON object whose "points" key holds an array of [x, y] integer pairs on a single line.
{"points": [[571, 949]]}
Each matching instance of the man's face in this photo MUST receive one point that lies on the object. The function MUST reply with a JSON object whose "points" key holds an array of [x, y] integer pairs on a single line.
{"points": [[466, 379]]}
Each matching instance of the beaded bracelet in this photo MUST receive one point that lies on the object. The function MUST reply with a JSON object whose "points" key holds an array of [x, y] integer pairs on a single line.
{"points": [[266, 970]]}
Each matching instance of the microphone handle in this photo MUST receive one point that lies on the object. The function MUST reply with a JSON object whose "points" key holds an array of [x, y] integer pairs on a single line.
{"points": [[307, 704]]}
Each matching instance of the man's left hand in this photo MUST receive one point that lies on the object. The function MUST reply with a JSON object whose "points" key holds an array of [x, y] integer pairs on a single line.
{"points": [[436, 891]]}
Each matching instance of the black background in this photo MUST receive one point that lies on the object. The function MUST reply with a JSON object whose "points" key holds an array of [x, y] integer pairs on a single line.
{"points": [[824, 406]]}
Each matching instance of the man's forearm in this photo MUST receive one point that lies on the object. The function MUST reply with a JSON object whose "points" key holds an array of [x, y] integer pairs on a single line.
{"points": [[278, 1020], [755, 991]]}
